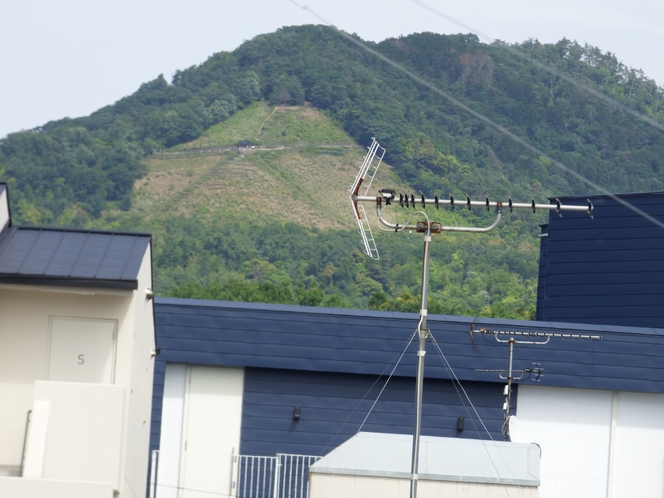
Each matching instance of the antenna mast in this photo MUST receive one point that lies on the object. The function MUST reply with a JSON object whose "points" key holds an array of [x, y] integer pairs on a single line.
{"points": [[512, 375], [387, 197]]}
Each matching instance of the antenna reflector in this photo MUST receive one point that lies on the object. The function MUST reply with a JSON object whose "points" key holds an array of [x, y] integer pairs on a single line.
{"points": [[368, 168], [370, 248]]}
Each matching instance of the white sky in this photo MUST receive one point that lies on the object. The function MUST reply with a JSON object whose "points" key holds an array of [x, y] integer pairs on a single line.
{"points": [[67, 58]]}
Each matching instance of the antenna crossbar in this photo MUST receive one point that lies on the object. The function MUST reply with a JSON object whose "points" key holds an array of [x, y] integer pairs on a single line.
{"points": [[550, 335], [405, 200]]}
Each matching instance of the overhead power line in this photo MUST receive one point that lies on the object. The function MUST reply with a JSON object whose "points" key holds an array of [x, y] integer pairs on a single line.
{"points": [[427, 84], [549, 69]]}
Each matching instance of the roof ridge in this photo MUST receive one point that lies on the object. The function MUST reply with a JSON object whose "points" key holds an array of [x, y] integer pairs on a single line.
{"points": [[82, 230]]}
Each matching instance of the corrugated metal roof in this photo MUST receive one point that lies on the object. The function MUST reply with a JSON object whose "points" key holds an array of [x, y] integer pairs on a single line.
{"points": [[606, 270], [364, 342], [322, 341], [71, 257]]}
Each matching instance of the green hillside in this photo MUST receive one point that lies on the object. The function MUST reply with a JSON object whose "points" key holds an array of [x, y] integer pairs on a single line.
{"points": [[274, 223], [271, 223], [298, 170]]}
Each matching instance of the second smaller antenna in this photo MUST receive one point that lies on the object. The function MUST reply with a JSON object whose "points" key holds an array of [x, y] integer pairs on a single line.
{"points": [[510, 374]]}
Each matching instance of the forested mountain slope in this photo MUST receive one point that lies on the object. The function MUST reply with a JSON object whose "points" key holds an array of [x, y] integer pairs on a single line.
{"points": [[88, 171]]}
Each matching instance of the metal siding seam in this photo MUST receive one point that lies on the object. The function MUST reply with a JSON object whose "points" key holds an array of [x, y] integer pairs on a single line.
{"points": [[80, 251], [55, 251], [7, 242], [27, 253], [103, 258], [128, 259]]}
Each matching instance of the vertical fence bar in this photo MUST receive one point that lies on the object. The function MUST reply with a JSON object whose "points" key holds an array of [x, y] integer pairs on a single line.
{"points": [[154, 473], [281, 476]]}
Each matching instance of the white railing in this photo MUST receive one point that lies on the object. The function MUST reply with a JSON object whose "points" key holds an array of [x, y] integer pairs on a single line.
{"points": [[292, 475], [280, 476], [255, 477]]}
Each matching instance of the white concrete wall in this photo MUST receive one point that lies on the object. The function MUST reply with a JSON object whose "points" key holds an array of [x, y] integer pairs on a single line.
{"points": [[76, 432], [351, 486], [141, 370], [170, 442], [24, 347], [4, 209], [595, 444], [14, 487]]}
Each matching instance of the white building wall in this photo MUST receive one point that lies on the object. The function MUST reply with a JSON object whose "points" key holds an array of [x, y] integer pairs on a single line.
{"points": [[28, 344], [24, 347], [354, 486], [4, 208], [200, 431], [51, 488], [76, 433], [170, 442], [594, 443], [141, 371], [638, 456]]}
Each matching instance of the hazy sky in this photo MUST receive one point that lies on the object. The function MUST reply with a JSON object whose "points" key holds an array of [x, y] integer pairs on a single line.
{"points": [[67, 58]]}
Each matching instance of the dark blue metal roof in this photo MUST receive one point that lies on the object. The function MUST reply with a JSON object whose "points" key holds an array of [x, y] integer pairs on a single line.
{"points": [[368, 342], [606, 270], [320, 357], [71, 257]]}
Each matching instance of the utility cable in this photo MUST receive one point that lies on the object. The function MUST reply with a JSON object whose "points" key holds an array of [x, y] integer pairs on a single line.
{"points": [[456, 382], [481, 117], [403, 352], [405, 347], [388, 379]]}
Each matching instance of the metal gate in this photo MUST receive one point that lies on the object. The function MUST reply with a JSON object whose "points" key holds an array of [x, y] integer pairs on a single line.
{"points": [[280, 476]]}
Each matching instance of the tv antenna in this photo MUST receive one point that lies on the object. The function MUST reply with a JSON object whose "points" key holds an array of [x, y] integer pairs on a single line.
{"points": [[536, 339], [387, 197]]}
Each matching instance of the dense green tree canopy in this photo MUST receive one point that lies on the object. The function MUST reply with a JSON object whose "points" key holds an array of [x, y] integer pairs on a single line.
{"points": [[69, 171], [90, 161]]}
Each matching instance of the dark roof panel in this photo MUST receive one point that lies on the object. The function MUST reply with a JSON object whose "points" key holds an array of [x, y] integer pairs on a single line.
{"points": [[115, 262], [41, 253], [66, 255], [52, 256], [91, 256], [16, 249]]}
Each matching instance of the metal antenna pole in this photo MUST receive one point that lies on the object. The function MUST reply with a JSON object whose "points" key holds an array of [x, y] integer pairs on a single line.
{"points": [[423, 333], [508, 393], [385, 197]]}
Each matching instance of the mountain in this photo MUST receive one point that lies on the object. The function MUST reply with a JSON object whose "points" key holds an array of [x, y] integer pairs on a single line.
{"points": [[164, 159]]}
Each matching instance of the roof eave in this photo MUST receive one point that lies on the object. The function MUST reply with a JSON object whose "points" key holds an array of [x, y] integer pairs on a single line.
{"points": [[95, 283]]}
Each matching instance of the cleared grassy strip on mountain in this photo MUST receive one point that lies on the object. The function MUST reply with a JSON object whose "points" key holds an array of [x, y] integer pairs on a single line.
{"points": [[241, 126], [293, 124], [306, 183]]}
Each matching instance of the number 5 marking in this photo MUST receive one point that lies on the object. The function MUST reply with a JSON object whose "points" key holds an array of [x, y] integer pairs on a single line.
{"points": [[81, 359]]}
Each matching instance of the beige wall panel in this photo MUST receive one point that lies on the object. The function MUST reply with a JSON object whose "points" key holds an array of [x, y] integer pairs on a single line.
{"points": [[350, 486]]}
